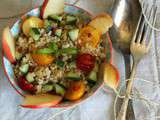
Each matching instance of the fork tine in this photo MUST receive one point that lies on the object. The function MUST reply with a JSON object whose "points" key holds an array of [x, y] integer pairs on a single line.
{"points": [[149, 30], [136, 31], [141, 29], [153, 23]]}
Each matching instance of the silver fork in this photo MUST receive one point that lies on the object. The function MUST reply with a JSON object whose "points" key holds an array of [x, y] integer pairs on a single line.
{"points": [[139, 48]]}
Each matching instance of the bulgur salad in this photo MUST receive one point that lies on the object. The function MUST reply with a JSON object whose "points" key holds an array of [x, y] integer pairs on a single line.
{"points": [[60, 54]]}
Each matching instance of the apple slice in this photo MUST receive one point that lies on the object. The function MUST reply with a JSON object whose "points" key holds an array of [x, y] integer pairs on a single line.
{"points": [[51, 7], [41, 100], [31, 22], [110, 76], [8, 44], [102, 22]]}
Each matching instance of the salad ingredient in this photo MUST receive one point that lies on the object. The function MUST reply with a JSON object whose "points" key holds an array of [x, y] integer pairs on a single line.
{"points": [[73, 34], [51, 7], [73, 76], [43, 59], [57, 18], [71, 51], [34, 33], [60, 63], [85, 62], [8, 44], [30, 77], [71, 19], [45, 51], [25, 85], [102, 22], [18, 55], [89, 36], [31, 22], [24, 68], [111, 75], [47, 88], [41, 100], [58, 32], [59, 89], [92, 77], [76, 90]]}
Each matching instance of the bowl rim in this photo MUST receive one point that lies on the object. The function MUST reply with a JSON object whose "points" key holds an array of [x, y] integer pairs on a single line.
{"points": [[57, 106]]}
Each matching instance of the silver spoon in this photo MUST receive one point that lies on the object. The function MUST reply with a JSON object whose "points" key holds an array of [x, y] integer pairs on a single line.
{"points": [[125, 15]]}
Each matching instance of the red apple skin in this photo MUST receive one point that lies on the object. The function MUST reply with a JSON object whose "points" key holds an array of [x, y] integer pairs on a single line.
{"points": [[46, 105], [43, 8], [5, 45]]}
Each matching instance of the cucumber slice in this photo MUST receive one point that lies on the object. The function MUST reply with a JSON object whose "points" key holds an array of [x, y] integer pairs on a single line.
{"points": [[24, 68], [73, 34], [55, 17], [45, 51], [59, 89], [71, 19], [47, 88], [35, 33], [71, 51], [72, 76], [58, 32], [30, 77], [92, 77], [60, 63]]}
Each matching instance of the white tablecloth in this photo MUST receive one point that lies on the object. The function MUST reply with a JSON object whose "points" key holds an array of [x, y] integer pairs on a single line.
{"points": [[99, 106]]}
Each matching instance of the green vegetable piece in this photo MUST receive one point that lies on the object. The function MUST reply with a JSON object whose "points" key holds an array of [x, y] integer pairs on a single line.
{"points": [[71, 19], [92, 77], [53, 46], [47, 23], [72, 76], [47, 88], [60, 63], [71, 51], [18, 55], [24, 68], [73, 34], [45, 51], [59, 89], [35, 33], [30, 77], [58, 32], [55, 17]]}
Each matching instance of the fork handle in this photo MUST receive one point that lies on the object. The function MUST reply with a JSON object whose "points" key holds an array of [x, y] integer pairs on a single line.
{"points": [[123, 110]]}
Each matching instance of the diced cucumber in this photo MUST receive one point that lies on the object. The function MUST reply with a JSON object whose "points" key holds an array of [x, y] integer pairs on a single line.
{"points": [[73, 34], [60, 63], [47, 88], [53, 46], [18, 55], [58, 32], [45, 51], [92, 77], [47, 23], [30, 77], [59, 89], [24, 68], [72, 76], [71, 19], [71, 51], [35, 33], [55, 17]]}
